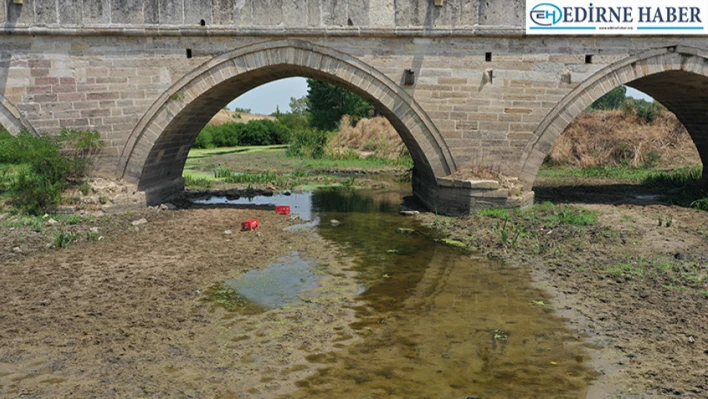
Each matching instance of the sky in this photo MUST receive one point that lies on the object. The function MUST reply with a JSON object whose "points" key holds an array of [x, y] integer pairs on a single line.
{"points": [[264, 99]]}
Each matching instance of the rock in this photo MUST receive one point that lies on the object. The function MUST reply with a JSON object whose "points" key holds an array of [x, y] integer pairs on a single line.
{"points": [[94, 230], [404, 230], [3, 216], [270, 187], [409, 213], [228, 232], [286, 192], [335, 222], [139, 222], [691, 339], [170, 206], [18, 250], [52, 222]]}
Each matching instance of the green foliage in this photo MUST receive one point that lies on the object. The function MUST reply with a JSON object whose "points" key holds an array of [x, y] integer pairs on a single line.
{"points": [[48, 165], [308, 143], [645, 110], [257, 132], [196, 182], [678, 178], [265, 177], [685, 186], [299, 106], [614, 99], [328, 103], [62, 238], [494, 213], [573, 216]]}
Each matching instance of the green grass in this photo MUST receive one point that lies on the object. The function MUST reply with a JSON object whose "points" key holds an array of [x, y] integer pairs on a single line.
{"points": [[63, 239], [494, 213], [682, 185], [634, 175], [197, 181], [677, 274], [198, 153]]}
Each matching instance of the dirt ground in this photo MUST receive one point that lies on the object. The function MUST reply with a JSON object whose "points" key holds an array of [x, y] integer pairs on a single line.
{"points": [[636, 291], [121, 313], [125, 316]]}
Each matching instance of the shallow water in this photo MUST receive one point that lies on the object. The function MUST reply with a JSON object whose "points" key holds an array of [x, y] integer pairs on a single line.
{"points": [[435, 322], [278, 284]]}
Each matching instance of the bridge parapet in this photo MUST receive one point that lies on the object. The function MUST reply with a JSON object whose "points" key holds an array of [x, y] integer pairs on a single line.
{"points": [[293, 16]]}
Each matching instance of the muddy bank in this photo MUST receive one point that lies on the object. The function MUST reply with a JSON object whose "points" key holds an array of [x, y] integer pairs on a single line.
{"points": [[125, 316], [637, 291]]}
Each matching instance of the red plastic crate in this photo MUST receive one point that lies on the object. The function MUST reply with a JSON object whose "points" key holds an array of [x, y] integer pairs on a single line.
{"points": [[282, 210], [249, 225]]}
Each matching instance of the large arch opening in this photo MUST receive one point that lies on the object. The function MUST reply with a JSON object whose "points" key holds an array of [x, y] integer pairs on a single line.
{"points": [[676, 77], [157, 150]]}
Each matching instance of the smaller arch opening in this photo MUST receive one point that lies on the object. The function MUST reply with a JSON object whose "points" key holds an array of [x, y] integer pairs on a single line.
{"points": [[202, 22], [625, 147]]}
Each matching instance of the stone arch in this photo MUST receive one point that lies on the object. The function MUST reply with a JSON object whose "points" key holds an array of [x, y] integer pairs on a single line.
{"points": [[676, 76], [11, 118], [157, 148]]}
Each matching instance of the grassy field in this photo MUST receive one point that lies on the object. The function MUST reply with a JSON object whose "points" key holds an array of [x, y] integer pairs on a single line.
{"points": [[268, 165]]}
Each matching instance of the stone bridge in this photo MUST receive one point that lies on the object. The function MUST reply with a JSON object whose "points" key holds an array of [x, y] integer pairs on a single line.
{"points": [[459, 79]]}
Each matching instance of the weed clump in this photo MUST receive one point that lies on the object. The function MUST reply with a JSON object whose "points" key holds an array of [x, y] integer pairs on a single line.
{"points": [[45, 166]]}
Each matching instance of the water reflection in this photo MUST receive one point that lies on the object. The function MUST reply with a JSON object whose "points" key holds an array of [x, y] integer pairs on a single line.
{"points": [[434, 323]]}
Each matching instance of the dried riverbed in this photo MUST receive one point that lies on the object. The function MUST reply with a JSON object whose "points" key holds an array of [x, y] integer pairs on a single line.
{"points": [[139, 312]]}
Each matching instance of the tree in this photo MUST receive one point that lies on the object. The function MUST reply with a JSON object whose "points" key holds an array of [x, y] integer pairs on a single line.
{"points": [[614, 99], [327, 103], [299, 106]]}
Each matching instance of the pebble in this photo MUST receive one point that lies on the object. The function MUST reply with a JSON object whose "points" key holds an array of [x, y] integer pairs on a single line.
{"points": [[409, 213], [691, 339], [228, 232], [335, 222], [16, 249], [167, 206], [94, 230], [139, 222], [52, 222], [404, 230]]}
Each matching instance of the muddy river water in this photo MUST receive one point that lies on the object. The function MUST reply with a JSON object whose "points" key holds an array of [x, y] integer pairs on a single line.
{"points": [[433, 321]]}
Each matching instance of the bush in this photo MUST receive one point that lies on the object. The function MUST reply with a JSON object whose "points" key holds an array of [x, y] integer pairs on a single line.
{"points": [[257, 132], [646, 111], [308, 143], [48, 165]]}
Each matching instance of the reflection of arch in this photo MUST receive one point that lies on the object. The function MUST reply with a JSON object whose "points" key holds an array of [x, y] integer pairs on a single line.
{"points": [[157, 149], [677, 77], [11, 119]]}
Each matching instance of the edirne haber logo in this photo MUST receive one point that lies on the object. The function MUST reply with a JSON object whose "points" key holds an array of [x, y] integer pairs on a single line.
{"points": [[629, 17]]}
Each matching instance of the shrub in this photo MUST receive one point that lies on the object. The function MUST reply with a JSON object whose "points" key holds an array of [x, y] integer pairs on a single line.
{"points": [[645, 111], [256, 132], [308, 143], [49, 164]]}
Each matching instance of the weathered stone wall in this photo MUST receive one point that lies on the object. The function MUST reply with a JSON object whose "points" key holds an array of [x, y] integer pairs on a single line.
{"points": [[263, 13]]}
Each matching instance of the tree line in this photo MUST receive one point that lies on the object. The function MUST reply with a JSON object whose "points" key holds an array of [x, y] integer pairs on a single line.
{"points": [[306, 126]]}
